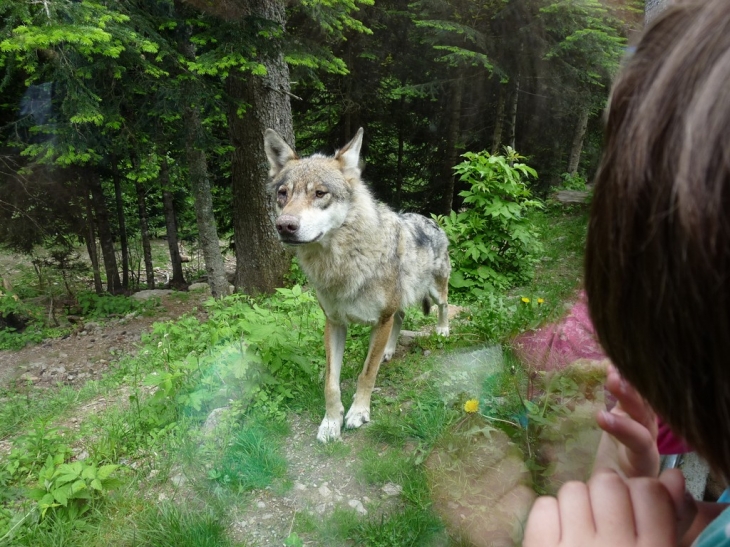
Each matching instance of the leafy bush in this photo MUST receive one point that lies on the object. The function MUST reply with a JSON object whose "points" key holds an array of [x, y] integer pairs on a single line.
{"points": [[95, 306], [572, 182], [493, 243], [260, 357], [69, 488]]}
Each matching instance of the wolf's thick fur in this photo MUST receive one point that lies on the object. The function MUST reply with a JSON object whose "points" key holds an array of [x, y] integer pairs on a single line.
{"points": [[366, 262]]}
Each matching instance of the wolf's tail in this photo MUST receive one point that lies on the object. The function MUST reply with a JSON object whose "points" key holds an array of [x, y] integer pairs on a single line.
{"points": [[426, 305]]}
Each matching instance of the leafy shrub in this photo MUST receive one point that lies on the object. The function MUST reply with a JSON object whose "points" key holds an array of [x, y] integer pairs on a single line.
{"points": [[95, 306], [493, 243], [261, 357], [69, 488], [572, 182]]}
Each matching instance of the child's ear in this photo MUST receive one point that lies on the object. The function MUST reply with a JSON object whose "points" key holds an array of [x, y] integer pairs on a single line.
{"points": [[277, 151], [349, 155]]}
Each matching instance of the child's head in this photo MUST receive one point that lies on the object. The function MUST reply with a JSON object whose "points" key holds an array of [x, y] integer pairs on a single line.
{"points": [[658, 250]]}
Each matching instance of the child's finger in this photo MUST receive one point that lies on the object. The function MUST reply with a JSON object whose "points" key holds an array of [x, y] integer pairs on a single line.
{"points": [[629, 400], [632, 434], [685, 506], [543, 524]]}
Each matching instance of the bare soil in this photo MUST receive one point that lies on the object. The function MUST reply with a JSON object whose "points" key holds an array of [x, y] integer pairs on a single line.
{"points": [[92, 348]]}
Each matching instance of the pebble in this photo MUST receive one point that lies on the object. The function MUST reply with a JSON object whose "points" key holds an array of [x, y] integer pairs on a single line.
{"points": [[324, 491], [358, 506], [391, 489], [260, 505]]}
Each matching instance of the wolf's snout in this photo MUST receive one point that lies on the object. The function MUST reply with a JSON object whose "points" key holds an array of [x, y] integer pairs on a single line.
{"points": [[287, 225]]}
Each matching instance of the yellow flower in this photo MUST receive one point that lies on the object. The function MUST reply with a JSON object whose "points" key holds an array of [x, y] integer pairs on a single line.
{"points": [[471, 406], [540, 300], [525, 300]]}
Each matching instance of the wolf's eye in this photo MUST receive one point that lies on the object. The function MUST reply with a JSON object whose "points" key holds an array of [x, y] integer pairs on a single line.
{"points": [[320, 193], [281, 193]]}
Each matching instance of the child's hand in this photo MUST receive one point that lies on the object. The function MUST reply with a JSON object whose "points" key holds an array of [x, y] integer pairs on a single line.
{"points": [[631, 444], [610, 511]]}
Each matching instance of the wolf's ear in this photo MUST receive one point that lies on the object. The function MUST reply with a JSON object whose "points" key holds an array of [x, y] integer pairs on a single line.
{"points": [[278, 152], [349, 155]]}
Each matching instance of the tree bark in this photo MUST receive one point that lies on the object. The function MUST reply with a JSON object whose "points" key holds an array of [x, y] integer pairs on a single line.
{"points": [[145, 235], [499, 119], [261, 261], [101, 212], [452, 141], [513, 114], [178, 279], [90, 238], [122, 224], [577, 146], [199, 181]]}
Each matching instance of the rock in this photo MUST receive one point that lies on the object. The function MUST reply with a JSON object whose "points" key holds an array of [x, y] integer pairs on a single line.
{"points": [[214, 420], [358, 506], [392, 489], [299, 486], [150, 293], [199, 287], [325, 492], [178, 480], [260, 505]]}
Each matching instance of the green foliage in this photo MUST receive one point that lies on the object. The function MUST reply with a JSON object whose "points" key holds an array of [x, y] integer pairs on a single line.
{"points": [[253, 460], [95, 306], [69, 488], [169, 525], [493, 243], [31, 450], [20, 323], [572, 182], [411, 527], [262, 357]]}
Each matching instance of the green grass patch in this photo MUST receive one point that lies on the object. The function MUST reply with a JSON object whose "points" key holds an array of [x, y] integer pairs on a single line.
{"points": [[412, 527], [253, 459], [170, 525]]}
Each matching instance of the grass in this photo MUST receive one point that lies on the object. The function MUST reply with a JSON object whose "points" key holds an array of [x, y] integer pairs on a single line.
{"points": [[156, 436], [253, 460]]}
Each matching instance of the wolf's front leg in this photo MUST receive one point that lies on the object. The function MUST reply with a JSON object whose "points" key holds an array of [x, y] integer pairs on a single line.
{"points": [[359, 412], [334, 346]]}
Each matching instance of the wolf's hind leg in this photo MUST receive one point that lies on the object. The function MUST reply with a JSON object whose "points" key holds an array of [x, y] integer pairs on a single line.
{"points": [[359, 412], [441, 296], [393, 338], [334, 345]]}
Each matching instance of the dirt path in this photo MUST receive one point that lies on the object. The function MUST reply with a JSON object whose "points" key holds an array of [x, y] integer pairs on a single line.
{"points": [[88, 352]]}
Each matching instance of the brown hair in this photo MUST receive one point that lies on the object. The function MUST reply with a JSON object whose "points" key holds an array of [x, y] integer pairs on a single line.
{"points": [[658, 248]]}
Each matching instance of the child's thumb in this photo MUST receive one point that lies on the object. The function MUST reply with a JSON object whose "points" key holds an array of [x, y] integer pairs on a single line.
{"points": [[685, 506]]}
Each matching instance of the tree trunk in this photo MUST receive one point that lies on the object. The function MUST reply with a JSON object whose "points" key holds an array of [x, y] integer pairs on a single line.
{"points": [[499, 120], [452, 142], [513, 114], [90, 238], [399, 169], [261, 261], [652, 8], [577, 147], [199, 181], [145, 234], [122, 224], [178, 279], [113, 283]]}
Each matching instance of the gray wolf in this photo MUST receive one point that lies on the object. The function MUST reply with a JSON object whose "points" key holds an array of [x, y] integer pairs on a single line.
{"points": [[366, 262]]}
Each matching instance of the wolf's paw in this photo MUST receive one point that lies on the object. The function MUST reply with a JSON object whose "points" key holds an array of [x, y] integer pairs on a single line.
{"points": [[443, 331], [329, 429], [356, 417], [388, 355]]}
